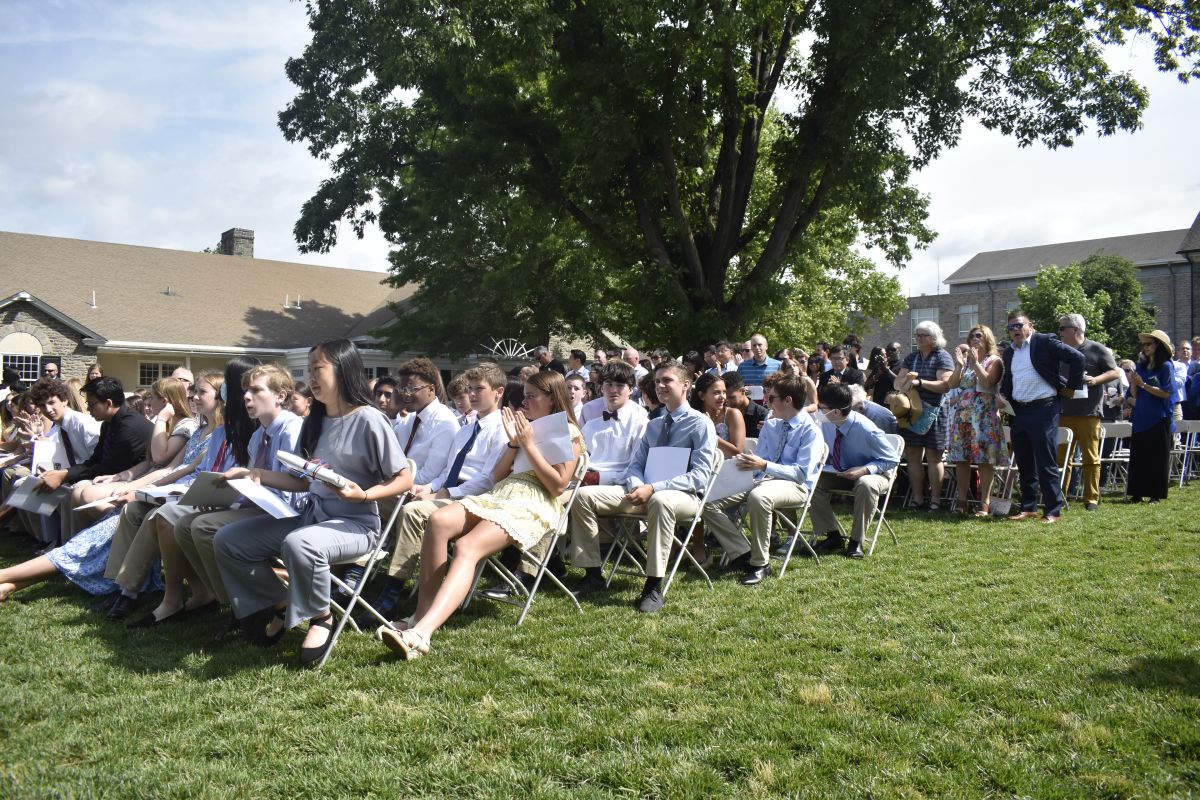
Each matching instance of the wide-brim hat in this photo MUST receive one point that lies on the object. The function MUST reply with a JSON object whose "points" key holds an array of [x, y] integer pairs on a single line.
{"points": [[906, 406], [1157, 336]]}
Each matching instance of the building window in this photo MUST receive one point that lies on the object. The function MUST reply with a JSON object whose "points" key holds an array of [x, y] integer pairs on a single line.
{"points": [[375, 372], [968, 317], [151, 371], [919, 315], [25, 364]]}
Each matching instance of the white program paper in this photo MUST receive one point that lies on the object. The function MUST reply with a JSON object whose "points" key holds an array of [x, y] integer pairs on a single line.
{"points": [[553, 439], [49, 454], [664, 463], [754, 392], [1080, 394], [25, 498], [730, 481], [161, 494], [204, 492], [264, 498]]}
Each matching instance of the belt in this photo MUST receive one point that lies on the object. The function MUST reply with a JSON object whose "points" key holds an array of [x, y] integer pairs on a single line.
{"points": [[1045, 401]]}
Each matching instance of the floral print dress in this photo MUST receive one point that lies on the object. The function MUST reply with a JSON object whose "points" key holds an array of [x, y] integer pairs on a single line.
{"points": [[977, 436]]}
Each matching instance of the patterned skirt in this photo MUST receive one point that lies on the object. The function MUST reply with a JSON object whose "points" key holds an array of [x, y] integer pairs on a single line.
{"points": [[520, 505], [83, 558]]}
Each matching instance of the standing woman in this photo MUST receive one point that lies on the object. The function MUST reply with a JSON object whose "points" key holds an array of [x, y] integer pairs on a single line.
{"points": [[928, 369], [976, 436], [1151, 386], [729, 422], [355, 439], [519, 510]]}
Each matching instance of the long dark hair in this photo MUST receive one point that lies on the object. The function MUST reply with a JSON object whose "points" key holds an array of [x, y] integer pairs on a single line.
{"points": [[353, 389], [1160, 357], [239, 427]]}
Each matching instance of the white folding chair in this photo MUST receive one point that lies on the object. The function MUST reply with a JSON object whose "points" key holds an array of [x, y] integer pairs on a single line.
{"points": [[879, 514], [1066, 438], [784, 521], [522, 596], [626, 542], [1188, 431], [750, 446], [1116, 463]]}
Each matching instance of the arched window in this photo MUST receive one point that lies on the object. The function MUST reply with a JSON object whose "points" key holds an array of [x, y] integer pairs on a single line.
{"points": [[22, 352]]}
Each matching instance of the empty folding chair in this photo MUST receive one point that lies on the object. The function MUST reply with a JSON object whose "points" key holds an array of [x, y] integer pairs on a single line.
{"points": [[1066, 438], [1188, 431], [1114, 438]]}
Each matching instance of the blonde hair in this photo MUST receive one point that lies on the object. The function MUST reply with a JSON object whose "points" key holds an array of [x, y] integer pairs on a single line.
{"points": [[216, 380], [171, 390], [75, 395], [989, 338], [278, 379]]}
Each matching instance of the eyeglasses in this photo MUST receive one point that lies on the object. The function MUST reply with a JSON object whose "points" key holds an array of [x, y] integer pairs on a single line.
{"points": [[771, 398], [410, 390], [924, 335]]}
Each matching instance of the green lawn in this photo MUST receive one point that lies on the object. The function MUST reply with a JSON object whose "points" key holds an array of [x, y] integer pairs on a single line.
{"points": [[973, 659]]}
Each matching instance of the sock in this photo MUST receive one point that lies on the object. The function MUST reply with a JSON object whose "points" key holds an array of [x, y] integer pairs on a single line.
{"points": [[390, 595], [354, 574], [651, 585]]}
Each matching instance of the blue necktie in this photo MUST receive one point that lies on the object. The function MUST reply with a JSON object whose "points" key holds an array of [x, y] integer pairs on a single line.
{"points": [[665, 436], [456, 467]]}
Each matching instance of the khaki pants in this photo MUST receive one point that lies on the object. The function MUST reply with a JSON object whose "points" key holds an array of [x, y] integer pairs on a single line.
{"points": [[195, 533], [761, 504], [1087, 436], [867, 491], [134, 548], [410, 535], [661, 512]]}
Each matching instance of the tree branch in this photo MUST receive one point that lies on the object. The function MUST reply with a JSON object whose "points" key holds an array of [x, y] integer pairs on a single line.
{"points": [[687, 242]]}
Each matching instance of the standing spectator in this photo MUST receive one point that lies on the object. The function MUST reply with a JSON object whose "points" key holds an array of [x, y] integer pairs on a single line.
{"points": [[599, 356], [576, 366], [977, 436], [547, 362], [1082, 413], [757, 367], [659, 355], [1033, 383], [95, 371], [853, 346], [725, 360], [631, 357], [50, 369], [928, 369], [880, 374], [1150, 445], [1180, 365]]}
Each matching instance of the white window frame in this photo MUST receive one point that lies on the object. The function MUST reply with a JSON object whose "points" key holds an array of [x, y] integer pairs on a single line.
{"points": [[163, 368]]}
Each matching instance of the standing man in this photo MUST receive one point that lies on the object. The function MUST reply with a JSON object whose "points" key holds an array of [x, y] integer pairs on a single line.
{"points": [[1181, 364], [853, 345], [757, 367], [575, 365], [50, 370], [663, 502], [184, 376], [546, 362], [1081, 411], [1034, 385], [631, 357]]}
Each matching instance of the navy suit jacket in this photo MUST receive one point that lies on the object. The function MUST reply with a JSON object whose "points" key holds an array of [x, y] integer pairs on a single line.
{"points": [[1046, 352]]}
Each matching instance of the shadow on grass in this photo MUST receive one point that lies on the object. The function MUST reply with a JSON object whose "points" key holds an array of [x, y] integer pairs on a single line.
{"points": [[1179, 673]]}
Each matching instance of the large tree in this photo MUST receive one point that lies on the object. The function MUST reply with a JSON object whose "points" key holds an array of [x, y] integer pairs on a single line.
{"points": [[685, 157], [1058, 292], [1127, 314]]}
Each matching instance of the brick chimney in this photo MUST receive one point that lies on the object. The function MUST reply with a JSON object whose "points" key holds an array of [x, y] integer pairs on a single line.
{"points": [[238, 242]]}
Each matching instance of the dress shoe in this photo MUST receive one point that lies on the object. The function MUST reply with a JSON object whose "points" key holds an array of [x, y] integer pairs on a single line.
{"points": [[1020, 515], [833, 543], [122, 607], [1091, 506], [1051, 520], [590, 585], [739, 564], [149, 621], [310, 656], [854, 549], [651, 601], [755, 575], [502, 591], [782, 549], [104, 602]]}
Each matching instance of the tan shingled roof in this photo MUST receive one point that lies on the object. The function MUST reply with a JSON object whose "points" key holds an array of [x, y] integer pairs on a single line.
{"points": [[215, 300]]}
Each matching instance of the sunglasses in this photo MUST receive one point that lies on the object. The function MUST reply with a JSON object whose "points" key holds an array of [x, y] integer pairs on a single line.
{"points": [[1016, 326]]}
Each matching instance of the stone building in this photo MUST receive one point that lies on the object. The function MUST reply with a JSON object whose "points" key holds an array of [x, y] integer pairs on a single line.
{"points": [[143, 311], [984, 289]]}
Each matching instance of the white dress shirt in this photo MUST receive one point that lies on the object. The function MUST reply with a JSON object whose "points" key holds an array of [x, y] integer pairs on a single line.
{"points": [[82, 431], [612, 443], [430, 448], [475, 477], [1028, 385], [591, 410]]}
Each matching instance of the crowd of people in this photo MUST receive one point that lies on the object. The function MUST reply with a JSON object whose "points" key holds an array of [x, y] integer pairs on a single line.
{"points": [[476, 481]]}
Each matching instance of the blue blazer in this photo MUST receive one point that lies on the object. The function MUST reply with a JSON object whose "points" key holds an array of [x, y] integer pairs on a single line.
{"points": [[1046, 352]]}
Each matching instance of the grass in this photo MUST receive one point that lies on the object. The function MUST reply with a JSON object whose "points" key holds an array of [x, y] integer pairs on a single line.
{"points": [[976, 658]]}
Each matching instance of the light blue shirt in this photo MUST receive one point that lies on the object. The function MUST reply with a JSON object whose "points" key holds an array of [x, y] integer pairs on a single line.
{"points": [[283, 434], [792, 450], [689, 428], [863, 445], [209, 463], [753, 373]]}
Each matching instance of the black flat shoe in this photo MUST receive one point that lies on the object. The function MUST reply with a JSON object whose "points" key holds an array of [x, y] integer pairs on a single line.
{"points": [[254, 627], [122, 607], [104, 602], [310, 656], [149, 621]]}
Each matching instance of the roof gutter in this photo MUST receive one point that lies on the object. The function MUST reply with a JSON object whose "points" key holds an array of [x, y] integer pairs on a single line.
{"points": [[117, 346]]}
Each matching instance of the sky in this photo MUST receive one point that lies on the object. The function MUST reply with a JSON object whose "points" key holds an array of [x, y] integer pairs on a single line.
{"points": [[154, 123]]}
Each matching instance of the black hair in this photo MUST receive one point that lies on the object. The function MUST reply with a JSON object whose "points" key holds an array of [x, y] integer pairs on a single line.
{"points": [[386, 380], [706, 380], [836, 396], [46, 388], [239, 426], [303, 390], [12, 380], [837, 349], [853, 342], [352, 386], [1160, 357], [579, 356], [661, 353], [618, 372], [733, 380], [106, 389], [695, 361], [514, 393]]}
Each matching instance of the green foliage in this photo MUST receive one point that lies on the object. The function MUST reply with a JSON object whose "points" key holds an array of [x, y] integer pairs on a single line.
{"points": [[1058, 292], [973, 659], [624, 165], [1126, 315]]}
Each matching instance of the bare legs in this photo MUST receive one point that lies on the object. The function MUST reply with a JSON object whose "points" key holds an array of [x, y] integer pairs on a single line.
{"points": [[443, 583], [962, 475], [27, 573], [917, 473], [177, 569]]}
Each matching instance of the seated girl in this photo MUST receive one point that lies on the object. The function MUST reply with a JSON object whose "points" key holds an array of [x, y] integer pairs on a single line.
{"points": [[355, 439], [519, 510]]}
